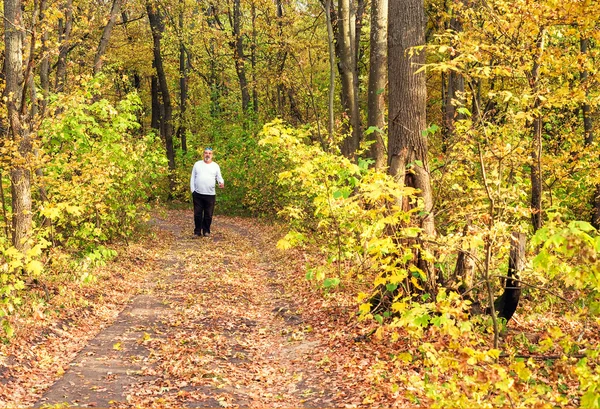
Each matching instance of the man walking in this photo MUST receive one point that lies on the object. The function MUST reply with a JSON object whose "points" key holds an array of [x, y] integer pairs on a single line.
{"points": [[205, 175]]}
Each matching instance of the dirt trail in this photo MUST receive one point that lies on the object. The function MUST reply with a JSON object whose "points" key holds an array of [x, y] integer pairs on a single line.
{"points": [[214, 327]]}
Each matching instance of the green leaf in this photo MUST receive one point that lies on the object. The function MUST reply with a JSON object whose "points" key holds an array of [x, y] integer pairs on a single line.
{"points": [[464, 111], [423, 320], [372, 129], [391, 287], [439, 320]]}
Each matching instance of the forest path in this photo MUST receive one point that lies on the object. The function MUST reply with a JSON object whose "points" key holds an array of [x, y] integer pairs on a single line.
{"points": [[213, 327]]}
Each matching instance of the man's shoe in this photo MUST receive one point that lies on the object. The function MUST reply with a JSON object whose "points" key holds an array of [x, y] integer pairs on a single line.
{"points": [[206, 234]]}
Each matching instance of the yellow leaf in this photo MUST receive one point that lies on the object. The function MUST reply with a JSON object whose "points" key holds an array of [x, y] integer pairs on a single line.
{"points": [[364, 308], [35, 267], [284, 244], [117, 346], [405, 357], [398, 306], [555, 332], [416, 283], [521, 370], [505, 385], [546, 344], [50, 212], [361, 296]]}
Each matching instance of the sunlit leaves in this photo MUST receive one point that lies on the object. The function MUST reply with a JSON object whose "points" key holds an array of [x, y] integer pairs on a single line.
{"points": [[97, 175]]}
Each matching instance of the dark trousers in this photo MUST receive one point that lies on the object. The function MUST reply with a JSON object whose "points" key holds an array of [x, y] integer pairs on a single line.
{"points": [[204, 205]]}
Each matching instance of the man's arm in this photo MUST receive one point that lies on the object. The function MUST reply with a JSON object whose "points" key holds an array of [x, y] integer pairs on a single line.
{"points": [[192, 187], [220, 180]]}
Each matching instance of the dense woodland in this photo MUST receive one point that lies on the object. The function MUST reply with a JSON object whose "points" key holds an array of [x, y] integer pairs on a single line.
{"points": [[441, 157]]}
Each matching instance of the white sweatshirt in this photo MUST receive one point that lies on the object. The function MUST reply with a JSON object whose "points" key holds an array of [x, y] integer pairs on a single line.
{"points": [[204, 177]]}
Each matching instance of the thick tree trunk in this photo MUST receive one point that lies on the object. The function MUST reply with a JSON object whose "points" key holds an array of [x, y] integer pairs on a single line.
{"points": [[18, 123], [239, 56], [378, 80], [65, 26], [157, 27], [106, 32], [349, 75], [407, 151]]}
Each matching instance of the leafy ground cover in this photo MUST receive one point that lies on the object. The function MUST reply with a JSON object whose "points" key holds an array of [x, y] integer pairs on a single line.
{"points": [[178, 321]]}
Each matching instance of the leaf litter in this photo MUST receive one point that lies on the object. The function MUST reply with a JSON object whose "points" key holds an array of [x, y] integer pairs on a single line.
{"points": [[180, 321]]}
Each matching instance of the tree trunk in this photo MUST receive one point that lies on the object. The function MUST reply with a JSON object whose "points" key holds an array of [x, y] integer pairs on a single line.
{"points": [[331, 47], [475, 86], [506, 305], [465, 263], [253, 60], [238, 55], [183, 82], [377, 80], [454, 91], [65, 26], [106, 32], [166, 125], [349, 75], [281, 59], [588, 132], [214, 82], [155, 119], [359, 12], [44, 63], [536, 149], [18, 123], [407, 151], [536, 174], [585, 107], [596, 210]]}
